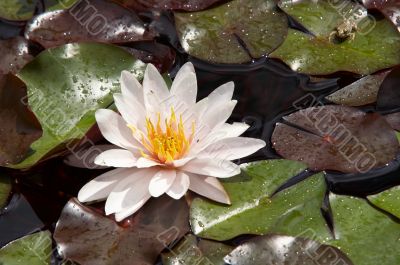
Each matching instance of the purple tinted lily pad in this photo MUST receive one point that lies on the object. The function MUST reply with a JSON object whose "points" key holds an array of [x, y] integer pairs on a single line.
{"points": [[362, 92], [97, 20], [15, 54], [19, 125], [390, 8], [336, 138], [184, 5], [389, 92], [86, 236], [281, 250], [394, 120], [234, 32]]}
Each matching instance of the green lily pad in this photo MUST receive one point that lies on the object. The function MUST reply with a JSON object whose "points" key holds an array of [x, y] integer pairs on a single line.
{"points": [[234, 32], [66, 85], [321, 54], [24, 9], [189, 251], [34, 249], [5, 189], [388, 200], [253, 211], [366, 235]]}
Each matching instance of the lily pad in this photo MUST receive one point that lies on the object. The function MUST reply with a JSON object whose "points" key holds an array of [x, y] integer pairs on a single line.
{"points": [[184, 5], [19, 127], [15, 54], [275, 249], [87, 237], [366, 235], [5, 189], [66, 85], [336, 137], [290, 211], [321, 54], [97, 21], [390, 8], [24, 9], [234, 32], [362, 92], [35, 249], [389, 94], [189, 251], [394, 120], [388, 200]]}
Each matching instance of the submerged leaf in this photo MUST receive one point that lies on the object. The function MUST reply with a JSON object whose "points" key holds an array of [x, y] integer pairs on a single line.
{"points": [[19, 126], [337, 138], [87, 237], [34, 249], [234, 32], [388, 200], [358, 48], [66, 85], [97, 20], [14, 54], [189, 251], [275, 249], [290, 211], [5, 189], [362, 92]]}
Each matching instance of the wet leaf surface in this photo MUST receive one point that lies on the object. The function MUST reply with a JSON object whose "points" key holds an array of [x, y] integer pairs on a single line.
{"points": [[290, 211], [17, 220], [87, 237], [5, 189], [362, 92], [65, 87], [394, 120], [390, 8], [15, 54], [33, 249], [98, 21], [234, 32], [337, 138], [365, 234], [389, 94], [325, 53], [275, 249], [18, 124], [192, 251], [184, 5], [388, 200]]}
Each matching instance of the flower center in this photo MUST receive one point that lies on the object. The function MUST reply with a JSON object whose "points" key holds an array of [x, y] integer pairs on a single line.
{"points": [[169, 144]]}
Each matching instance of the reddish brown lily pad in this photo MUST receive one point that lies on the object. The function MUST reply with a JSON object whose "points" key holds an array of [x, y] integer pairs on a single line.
{"points": [[336, 138], [183, 5], [86, 236], [97, 20], [14, 55], [389, 92], [19, 127], [390, 8], [394, 120]]}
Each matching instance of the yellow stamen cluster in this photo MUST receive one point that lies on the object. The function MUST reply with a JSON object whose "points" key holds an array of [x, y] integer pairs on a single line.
{"points": [[169, 145]]}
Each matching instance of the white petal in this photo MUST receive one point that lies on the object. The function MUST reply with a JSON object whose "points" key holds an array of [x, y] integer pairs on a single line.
{"points": [[84, 157], [180, 186], [116, 158], [161, 182], [114, 129], [208, 187], [184, 86], [131, 88], [145, 163], [212, 167], [129, 191], [182, 161], [222, 94], [155, 90], [233, 130], [232, 148], [100, 187], [131, 110], [119, 216]]}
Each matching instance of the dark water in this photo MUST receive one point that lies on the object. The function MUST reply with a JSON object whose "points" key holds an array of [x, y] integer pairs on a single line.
{"points": [[265, 89]]}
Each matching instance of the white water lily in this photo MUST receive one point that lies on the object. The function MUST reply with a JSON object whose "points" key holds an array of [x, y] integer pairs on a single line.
{"points": [[165, 142]]}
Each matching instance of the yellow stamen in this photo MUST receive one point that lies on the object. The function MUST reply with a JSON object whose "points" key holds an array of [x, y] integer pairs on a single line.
{"points": [[166, 145]]}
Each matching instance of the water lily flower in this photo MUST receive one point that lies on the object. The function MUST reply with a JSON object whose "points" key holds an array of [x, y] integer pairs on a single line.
{"points": [[165, 142]]}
